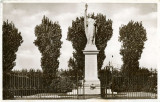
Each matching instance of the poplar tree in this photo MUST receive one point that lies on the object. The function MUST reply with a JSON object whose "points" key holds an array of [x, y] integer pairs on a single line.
{"points": [[49, 43], [132, 36], [12, 39]]}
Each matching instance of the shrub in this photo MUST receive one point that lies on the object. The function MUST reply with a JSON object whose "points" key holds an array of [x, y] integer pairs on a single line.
{"points": [[7, 94], [61, 85]]}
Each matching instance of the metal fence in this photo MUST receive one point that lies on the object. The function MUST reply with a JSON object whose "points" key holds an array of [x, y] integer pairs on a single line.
{"points": [[27, 85], [116, 86]]}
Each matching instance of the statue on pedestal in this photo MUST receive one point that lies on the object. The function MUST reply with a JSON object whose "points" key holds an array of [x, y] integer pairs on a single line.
{"points": [[90, 27], [92, 83]]}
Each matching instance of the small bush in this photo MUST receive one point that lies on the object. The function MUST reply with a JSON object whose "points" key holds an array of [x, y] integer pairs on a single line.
{"points": [[61, 85], [7, 94]]}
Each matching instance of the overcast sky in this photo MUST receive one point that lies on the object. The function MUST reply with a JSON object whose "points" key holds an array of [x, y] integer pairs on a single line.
{"points": [[27, 16]]}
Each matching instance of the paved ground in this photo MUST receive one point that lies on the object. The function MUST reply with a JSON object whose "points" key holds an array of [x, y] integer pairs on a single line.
{"points": [[122, 95], [139, 94]]}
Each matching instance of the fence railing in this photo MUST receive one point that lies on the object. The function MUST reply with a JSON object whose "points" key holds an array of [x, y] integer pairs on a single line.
{"points": [[137, 87], [31, 85]]}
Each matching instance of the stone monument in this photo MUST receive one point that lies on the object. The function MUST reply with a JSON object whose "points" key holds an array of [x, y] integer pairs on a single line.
{"points": [[92, 83]]}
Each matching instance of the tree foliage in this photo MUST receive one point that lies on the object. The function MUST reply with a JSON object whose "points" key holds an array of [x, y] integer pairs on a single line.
{"points": [[103, 35], [72, 64], [132, 36], [61, 85], [12, 39], [49, 43], [76, 34], [73, 72]]}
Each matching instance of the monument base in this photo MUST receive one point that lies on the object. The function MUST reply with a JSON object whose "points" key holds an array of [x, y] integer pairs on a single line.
{"points": [[92, 83], [92, 87]]}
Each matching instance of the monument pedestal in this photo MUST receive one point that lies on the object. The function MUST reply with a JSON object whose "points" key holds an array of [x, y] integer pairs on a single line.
{"points": [[92, 83], [92, 87]]}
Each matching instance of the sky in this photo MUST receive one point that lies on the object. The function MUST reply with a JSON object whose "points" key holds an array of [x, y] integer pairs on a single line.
{"points": [[26, 16]]}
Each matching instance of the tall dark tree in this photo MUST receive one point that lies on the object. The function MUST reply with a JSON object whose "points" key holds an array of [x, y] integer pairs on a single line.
{"points": [[73, 72], [103, 35], [72, 64], [12, 39], [76, 34], [132, 36], [49, 43]]}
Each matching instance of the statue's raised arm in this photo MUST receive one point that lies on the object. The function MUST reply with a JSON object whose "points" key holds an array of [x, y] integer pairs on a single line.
{"points": [[86, 20]]}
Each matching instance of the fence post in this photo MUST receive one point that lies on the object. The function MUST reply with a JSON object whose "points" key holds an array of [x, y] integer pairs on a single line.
{"points": [[112, 81], [106, 82], [77, 84]]}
